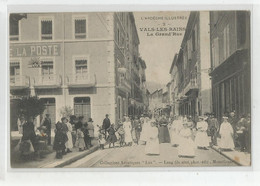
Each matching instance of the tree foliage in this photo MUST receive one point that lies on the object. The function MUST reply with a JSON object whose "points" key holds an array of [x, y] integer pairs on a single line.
{"points": [[31, 106], [66, 111]]}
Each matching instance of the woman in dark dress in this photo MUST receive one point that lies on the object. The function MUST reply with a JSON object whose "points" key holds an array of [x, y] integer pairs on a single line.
{"points": [[28, 138], [164, 135], [111, 135], [59, 139]]}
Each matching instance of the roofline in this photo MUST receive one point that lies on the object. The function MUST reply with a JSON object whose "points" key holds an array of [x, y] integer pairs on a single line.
{"points": [[173, 62], [132, 16]]}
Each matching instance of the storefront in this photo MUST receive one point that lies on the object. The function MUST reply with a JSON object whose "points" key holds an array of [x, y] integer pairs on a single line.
{"points": [[231, 85]]}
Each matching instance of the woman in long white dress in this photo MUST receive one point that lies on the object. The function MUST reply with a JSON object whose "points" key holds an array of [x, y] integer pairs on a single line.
{"points": [[127, 127], [187, 145], [175, 131], [202, 139], [69, 143], [152, 145], [145, 127], [226, 135]]}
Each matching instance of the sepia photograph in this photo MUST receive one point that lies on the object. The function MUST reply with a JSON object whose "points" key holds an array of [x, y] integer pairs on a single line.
{"points": [[130, 89]]}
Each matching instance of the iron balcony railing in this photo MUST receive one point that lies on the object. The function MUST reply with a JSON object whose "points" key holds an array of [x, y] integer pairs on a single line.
{"points": [[19, 81], [81, 80], [191, 85], [47, 81]]}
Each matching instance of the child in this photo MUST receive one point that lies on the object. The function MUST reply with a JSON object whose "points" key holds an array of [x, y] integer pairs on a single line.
{"points": [[101, 139], [121, 133], [111, 135], [80, 143]]}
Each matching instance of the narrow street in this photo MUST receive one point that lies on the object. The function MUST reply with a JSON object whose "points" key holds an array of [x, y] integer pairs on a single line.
{"points": [[134, 156]]}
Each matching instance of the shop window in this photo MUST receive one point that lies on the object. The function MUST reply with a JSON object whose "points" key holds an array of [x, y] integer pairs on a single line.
{"points": [[80, 27], [46, 29], [82, 107]]}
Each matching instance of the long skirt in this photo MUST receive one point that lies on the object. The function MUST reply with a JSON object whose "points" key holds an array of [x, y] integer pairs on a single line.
{"points": [[144, 135], [202, 139], [128, 136], [80, 143], [152, 146], [164, 135], [112, 138], [186, 147], [25, 147], [134, 135], [69, 143], [226, 142], [175, 138]]}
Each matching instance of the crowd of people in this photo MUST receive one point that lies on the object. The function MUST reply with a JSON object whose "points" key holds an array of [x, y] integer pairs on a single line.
{"points": [[184, 132]]}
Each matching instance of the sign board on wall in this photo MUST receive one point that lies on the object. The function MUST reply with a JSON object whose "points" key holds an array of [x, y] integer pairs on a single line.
{"points": [[33, 50]]}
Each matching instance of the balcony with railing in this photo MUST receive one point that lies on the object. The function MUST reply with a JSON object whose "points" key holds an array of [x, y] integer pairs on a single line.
{"points": [[124, 84], [84, 80], [191, 85], [19, 82], [123, 80], [47, 81]]}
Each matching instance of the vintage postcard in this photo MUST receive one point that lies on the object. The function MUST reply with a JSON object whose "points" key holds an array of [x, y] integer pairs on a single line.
{"points": [[130, 89]]}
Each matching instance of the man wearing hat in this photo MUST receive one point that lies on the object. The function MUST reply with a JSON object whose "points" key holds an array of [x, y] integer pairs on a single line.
{"points": [[213, 128], [46, 122], [79, 124], [106, 124]]}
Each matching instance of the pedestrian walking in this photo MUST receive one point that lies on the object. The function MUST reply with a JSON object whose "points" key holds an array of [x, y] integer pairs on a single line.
{"points": [[28, 142], [101, 139], [121, 133], [152, 145], [111, 135], [241, 131], [144, 133], [128, 128], [233, 121], [106, 124], [202, 139], [226, 133], [20, 122], [90, 128], [59, 140], [213, 128], [73, 121], [248, 134], [164, 135], [86, 135], [80, 122], [137, 128], [175, 131], [69, 143], [80, 143], [46, 122], [186, 147]]}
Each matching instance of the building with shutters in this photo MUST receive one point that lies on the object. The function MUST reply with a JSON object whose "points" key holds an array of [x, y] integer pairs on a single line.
{"points": [[193, 66], [86, 61], [230, 62]]}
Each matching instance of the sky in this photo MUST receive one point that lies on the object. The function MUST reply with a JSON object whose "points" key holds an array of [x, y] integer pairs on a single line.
{"points": [[158, 51]]}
